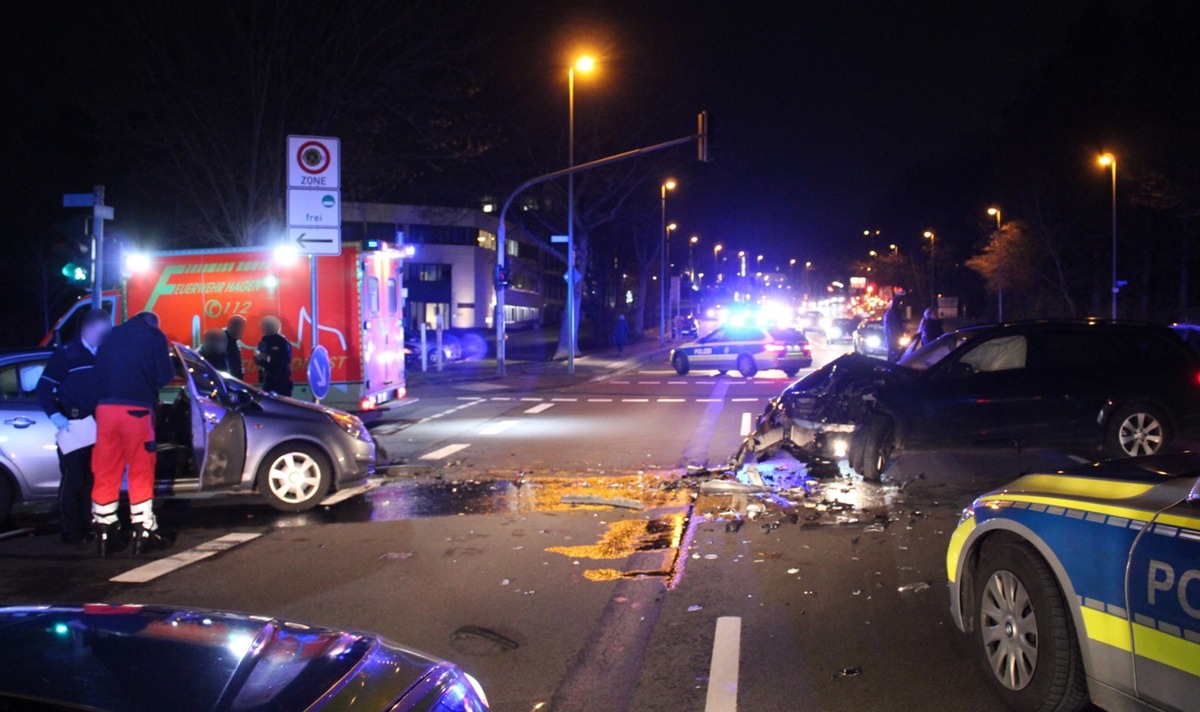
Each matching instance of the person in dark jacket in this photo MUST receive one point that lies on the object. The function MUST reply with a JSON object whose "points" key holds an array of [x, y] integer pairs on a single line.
{"points": [[131, 366], [894, 326], [621, 334], [274, 359], [213, 349], [233, 334], [931, 328], [67, 393]]}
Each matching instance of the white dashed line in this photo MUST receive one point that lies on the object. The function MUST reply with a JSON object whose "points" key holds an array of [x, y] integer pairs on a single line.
{"points": [[706, 383], [539, 408], [470, 398], [599, 400], [635, 400], [495, 398], [672, 400], [742, 400], [443, 453], [161, 567], [648, 383], [708, 400], [723, 672], [532, 400], [747, 418], [565, 400], [676, 383], [619, 383], [498, 427]]}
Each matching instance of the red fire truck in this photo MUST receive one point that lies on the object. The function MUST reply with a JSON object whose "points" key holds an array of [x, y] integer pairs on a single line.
{"points": [[359, 314]]}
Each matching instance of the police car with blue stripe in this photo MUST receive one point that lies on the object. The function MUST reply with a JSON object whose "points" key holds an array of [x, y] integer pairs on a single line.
{"points": [[746, 349], [1085, 584]]}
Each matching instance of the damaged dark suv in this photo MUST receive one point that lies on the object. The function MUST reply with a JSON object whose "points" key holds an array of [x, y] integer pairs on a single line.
{"points": [[1129, 388]]}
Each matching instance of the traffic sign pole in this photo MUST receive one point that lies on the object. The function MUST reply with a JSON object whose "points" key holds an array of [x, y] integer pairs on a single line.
{"points": [[98, 215]]}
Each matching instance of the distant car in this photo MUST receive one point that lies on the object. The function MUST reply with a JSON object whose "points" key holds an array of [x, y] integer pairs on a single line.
{"points": [[1129, 388], [451, 351], [841, 331], [809, 320], [691, 328], [1084, 585], [746, 349], [215, 434], [868, 340], [117, 657]]}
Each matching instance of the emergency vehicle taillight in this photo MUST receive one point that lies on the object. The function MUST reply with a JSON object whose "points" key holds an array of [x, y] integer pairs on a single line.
{"points": [[775, 347]]}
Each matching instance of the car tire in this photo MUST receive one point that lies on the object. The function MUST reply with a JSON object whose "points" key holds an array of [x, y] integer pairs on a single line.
{"points": [[877, 443], [791, 372], [1020, 610], [680, 363], [746, 366], [8, 497], [1137, 429], [294, 477]]}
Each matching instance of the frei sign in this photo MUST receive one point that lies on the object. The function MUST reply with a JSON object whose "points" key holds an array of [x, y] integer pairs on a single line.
{"points": [[314, 197]]}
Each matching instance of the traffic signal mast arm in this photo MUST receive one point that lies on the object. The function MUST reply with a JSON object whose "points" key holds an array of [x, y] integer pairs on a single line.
{"points": [[701, 137]]}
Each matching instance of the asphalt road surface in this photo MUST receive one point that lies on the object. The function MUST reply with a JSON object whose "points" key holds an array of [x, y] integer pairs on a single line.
{"points": [[548, 540]]}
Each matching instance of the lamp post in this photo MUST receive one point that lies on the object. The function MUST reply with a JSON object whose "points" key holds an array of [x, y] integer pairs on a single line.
{"points": [[691, 257], [669, 184], [583, 64], [742, 263], [995, 212], [1107, 160], [928, 234], [717, 260]]}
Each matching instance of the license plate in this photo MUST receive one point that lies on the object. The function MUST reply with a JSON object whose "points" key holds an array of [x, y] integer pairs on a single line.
{"points": [[381, 397]]}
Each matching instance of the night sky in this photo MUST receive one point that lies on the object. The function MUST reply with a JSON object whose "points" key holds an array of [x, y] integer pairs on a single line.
{"points": [[822, 112]]}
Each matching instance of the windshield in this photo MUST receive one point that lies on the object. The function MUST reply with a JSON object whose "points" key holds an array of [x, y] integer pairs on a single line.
{"points": [[934, 351]]}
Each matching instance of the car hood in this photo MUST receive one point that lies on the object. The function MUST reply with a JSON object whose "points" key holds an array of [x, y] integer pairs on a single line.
{"points": [[201, 659], [849, 371], [273, 403], [1152, 482]]}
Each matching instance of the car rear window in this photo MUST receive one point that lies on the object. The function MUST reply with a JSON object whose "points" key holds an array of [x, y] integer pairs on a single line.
{"points": [[789, 336]]}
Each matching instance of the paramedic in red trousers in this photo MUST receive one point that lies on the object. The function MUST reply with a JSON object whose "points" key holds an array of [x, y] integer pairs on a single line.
{"points": [[131, 366], [67, 392]]}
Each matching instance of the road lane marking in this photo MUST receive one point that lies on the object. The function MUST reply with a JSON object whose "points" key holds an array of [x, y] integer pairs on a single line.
{"points": [[706, 383], [539, 408], [443, 453], [470, 398], [648, 383], [620, 383], [676, 383], [599, 400], [708, 400], [499, 427], [161, 567], [635, 400], [672, 400], [723, 672], [565, 400], [532, 400], [742, 400], [16, 533], [1078, 458], [345, 494], [746, 420]]}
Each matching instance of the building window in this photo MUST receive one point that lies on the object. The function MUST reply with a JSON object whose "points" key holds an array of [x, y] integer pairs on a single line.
{"points": [[428, 272], [512, 248], [487, 240]]}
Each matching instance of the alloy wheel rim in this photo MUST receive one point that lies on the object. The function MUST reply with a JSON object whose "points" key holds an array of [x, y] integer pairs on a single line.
{"points": [[1008, 625], [294, 477], [1140, 434]]}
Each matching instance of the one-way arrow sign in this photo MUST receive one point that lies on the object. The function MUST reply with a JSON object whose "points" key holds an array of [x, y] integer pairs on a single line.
{"points": [[316, 240]]}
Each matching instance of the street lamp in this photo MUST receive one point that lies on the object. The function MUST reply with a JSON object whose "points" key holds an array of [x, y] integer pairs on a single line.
{"points": [[742, 261], [691, 259], [932, 254], [1107, 160], [668, 184], [995, 212], [758, 264], [716, 259], [583, 64]]}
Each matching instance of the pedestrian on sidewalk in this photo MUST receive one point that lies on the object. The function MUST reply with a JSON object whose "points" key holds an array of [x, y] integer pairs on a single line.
{"points": [[621, 334], [131, 365], [67, 393]]}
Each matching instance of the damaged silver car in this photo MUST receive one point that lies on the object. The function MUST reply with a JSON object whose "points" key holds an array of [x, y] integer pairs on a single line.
{"points": [[1129, 388]]}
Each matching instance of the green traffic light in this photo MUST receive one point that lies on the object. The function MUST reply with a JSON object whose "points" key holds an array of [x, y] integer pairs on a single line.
{"points": [[74, 272]]}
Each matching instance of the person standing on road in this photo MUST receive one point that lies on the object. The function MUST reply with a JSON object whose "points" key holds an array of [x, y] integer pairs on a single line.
{"points": [[621, 334], [213, 349], [233, 334], [894, 326], [67, 393], [274, 359], [931, 328], [131, 366]]}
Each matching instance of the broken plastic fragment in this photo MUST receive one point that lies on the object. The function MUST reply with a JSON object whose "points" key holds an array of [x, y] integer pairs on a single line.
{"points": [[915, 587], [848, 672], [793, 571], [693, 609]]}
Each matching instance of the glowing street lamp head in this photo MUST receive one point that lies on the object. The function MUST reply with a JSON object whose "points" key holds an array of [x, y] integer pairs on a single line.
{"points": [[993, 211], [718, 247], [928, 234], [1106, 159], [741, 253], [669, 184], [671, 226], [695, 239], [586, 63]]}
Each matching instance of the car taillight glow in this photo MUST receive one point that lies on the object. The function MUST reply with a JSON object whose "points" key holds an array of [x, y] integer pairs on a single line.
{"points": [[775, 347], [366, 404]]}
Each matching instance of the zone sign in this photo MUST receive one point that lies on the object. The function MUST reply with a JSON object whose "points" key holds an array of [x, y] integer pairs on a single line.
{"points": [[313, 162]]}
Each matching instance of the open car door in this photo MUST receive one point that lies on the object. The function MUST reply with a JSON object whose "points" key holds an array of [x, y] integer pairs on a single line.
{"points": [[218, 429]]}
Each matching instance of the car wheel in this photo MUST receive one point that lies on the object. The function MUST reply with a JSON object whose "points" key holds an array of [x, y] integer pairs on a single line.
{"points": [[791, 372], [8, 497], [1135, 430], [1024, 632], [877, 444], [294, 477], [680, 362], [746, 366]]}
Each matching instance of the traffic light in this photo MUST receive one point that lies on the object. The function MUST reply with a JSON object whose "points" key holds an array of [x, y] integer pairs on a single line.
{"points": [[503, 276], [702, 133], [74, 272]]}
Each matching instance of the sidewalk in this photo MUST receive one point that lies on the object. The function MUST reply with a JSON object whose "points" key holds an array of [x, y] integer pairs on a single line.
{"points": [[527, 373]]}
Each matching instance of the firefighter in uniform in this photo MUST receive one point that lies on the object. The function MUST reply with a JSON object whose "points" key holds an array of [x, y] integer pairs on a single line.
{"points": [[132, 365], [67, 392]]}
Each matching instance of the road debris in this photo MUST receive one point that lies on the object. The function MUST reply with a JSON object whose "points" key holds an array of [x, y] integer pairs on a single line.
{"points": [[848, 672], [915, 587]]}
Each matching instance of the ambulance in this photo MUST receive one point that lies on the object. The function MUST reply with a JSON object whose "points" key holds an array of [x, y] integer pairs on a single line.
{"points": [[359, 313]]}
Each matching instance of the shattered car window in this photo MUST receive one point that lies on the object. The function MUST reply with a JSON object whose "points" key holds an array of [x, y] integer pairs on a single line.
{"points": [[1002, 354], [933, 352]]}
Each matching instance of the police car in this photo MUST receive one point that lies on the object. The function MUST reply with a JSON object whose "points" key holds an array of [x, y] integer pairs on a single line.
{"points": [[1085, 584], [746, 349]]}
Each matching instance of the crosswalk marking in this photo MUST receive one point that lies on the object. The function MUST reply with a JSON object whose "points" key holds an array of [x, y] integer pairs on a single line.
{"points": [[746, 420], [541, 408], [723, 671], [161, 567], [499, 427], [443, 453]]}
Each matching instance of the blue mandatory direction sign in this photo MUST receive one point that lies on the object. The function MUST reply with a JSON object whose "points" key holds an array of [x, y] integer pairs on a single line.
{"points": [[319, 372]]}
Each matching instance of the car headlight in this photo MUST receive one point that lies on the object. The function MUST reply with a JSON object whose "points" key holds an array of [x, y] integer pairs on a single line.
{"points": [[351, 425], [905, 340], [874, 342], [834, 332]]}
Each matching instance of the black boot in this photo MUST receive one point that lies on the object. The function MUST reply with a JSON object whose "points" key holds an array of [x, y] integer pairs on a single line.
{"points": [[109, 538], [147, 540]]}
